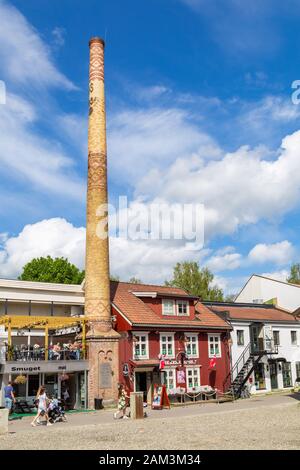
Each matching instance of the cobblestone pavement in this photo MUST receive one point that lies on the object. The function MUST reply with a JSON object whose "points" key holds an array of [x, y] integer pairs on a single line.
{"points": [[269, 422]]}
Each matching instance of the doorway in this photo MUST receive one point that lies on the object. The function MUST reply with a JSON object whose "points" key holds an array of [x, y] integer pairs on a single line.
{"points": [[273, 375], [141, 384], [259, 374]]}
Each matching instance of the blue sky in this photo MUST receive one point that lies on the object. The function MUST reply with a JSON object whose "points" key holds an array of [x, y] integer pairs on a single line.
{"points": [[199, 109]]}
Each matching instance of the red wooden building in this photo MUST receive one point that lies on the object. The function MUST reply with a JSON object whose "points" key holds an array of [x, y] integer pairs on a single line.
{"points": [[159, 323]]}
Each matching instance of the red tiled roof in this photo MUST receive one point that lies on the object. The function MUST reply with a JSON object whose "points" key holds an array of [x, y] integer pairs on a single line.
{"points": [[244, 312], [139, 313]]}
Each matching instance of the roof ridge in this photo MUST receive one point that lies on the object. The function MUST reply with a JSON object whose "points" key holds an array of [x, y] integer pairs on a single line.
{"points": [[145, 284]]}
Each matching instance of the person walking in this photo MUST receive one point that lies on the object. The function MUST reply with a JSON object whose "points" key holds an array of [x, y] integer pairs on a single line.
{"points": [[9, 397], [122, 404], [42, 406]]}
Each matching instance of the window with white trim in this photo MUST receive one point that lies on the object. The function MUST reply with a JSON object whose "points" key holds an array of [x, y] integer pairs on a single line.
{"points": [[168, 307], [168, 378], [214, 345], [140, 346], [192, 349], [294, 339], [167, 346], [192, 378], [240, 337], [182, 308]]}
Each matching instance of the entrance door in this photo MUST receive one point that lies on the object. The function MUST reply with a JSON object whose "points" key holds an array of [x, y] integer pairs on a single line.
{"points": [[141, 383], [51, 384], [273, 375], [259, 373]]}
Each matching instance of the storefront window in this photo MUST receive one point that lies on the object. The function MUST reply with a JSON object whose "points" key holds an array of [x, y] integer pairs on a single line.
{"points": [[286, 374], [168, 378], [192, 346], [167, 345], [214, 346], [19, 389], [193, 378], [297, 370]]}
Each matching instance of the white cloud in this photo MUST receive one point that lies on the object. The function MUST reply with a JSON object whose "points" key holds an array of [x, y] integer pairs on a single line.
{"points": [[278, 253], [55, 237], [27, 156], [153, 138], [239, 189], [225, 262], [24, 56], [58, 34]]}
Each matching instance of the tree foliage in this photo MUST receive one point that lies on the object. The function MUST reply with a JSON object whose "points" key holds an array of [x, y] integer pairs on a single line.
{"points": [[135, 280], [294, 276], [195, 281], [48, 269]]}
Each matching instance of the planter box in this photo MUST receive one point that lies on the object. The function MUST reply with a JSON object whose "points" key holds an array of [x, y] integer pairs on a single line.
{"points": [[3, 421]]}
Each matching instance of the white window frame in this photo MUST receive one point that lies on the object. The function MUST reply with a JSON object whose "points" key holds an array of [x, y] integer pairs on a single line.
{"points": [[193, 369], [294, 344], [167, 356], [168, 372], [214, 335], [193, 335], [187, 308], [139, 334], [163, 307], [237, 338]]}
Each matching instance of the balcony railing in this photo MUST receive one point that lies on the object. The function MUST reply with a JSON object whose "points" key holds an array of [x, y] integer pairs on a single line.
{"points": [[41, 354], [263, 345]]}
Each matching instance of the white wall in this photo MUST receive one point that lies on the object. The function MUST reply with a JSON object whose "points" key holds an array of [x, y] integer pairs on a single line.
{"points": [[286, 349], [288, 295]]}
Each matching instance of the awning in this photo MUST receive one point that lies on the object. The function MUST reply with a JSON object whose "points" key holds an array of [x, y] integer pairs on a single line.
{"points": [[146, 365]]}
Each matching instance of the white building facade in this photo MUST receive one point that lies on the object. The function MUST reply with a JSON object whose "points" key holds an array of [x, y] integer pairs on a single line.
{"points": [[32, 300], [271, 336], [260, 289]]}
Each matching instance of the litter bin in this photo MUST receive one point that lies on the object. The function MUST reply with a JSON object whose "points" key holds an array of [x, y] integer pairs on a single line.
{"points": [[98, 404]]}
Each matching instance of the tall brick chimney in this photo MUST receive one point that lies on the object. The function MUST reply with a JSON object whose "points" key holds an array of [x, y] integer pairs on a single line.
{"points": [[102, 339]]}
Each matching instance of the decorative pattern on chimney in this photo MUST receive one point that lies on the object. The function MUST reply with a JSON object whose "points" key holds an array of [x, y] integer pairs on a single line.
{"points": [[97, 287]]}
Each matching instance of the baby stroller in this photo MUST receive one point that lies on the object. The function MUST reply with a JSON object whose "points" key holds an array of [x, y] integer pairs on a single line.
{"points": [[56, 412]]}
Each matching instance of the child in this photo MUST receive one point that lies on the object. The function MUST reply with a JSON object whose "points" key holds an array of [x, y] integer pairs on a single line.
{"points": [[122, 405]]}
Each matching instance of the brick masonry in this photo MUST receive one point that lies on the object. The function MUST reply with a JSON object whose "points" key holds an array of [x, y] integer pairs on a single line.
{"points": [[102, 340]]}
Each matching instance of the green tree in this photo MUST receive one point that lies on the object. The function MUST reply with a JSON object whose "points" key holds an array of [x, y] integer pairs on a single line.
{"points": [[195, 281], [230, 297], [48, 269], [294, 276], [135, 280], [114, 278]]}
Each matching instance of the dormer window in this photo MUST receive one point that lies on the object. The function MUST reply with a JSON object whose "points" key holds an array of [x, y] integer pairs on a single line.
{"points": [[168, 307], [182, 308]]}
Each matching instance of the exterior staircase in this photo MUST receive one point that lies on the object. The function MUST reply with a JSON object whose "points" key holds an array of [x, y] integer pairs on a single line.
{"points": [[245, 364]]}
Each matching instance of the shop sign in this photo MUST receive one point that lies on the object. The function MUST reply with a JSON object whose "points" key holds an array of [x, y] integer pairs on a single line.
{"points": [[67, 331], [43, 366], [173, 362], [125, 370]]}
